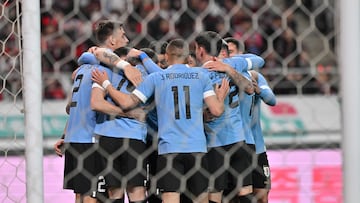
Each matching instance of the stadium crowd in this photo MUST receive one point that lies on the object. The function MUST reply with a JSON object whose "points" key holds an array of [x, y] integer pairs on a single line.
{"points": [[264, 30]]}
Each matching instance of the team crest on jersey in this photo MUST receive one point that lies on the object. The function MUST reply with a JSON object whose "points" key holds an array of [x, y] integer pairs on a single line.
{"points": [[266, 171]]}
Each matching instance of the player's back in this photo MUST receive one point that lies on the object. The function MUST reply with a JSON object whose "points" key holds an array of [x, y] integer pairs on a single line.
{"points": [[81, 118], [122, 127], [179, 96], [228, 128]]}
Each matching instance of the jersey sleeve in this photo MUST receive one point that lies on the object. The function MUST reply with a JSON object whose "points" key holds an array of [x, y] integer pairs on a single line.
{"points": [[254, 61], [240, 64], [109, 73], [146, 89], [149, 64], [87, 58], [266, 94], [208, 87]]}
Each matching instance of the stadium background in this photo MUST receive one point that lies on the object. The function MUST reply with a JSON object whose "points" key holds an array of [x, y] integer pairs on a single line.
{"points": [[296, 38]]}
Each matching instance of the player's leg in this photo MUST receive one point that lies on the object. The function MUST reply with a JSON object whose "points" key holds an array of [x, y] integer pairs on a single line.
{"points": [[170, 197], [81, 180], [241, 162], [134, 156], [261, 195], [218, 173], [261, 179], [151, 150], [112, 168], [197, 183], [169, 182]]}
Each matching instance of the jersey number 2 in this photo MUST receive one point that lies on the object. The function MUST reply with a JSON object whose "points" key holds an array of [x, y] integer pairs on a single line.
{"points": [[76, 88]]}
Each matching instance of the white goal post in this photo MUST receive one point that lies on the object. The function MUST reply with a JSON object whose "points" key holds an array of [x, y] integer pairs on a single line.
{"points": [[32, 100], [349, 52]]}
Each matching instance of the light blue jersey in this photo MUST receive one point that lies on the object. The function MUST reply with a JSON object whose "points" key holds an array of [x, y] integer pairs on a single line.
{"points": [[247, 111], [121, 127], [268, 97], [82, 119], [254, 61], [228, 128], [179, 95]]}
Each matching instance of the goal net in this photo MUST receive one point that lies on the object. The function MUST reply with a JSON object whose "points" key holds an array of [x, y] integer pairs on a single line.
{"points": [[297, 40]]}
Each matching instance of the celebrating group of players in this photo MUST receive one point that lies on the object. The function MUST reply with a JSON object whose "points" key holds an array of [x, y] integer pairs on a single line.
{"points": [[194, 125]]}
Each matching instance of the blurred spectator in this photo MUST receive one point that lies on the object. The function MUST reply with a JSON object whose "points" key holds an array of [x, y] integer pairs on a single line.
{"points": [[272, 66], [322, 83], [254, 42], [273, 25], [184, 26], [54, 90], [285, 87], [285, 44], [158, 28], [66, 28], [59, 48]]}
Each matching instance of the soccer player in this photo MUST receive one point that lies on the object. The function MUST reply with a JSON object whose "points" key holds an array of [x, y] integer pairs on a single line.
{"points": [[81, 155], [160, 48], [151, 119], [111, 35], [179, 93], [225, 134], [235, 46], [261, 174]]}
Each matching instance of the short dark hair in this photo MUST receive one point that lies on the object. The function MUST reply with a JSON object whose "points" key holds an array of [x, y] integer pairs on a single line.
{"points": [[151, 53], [210, 41], [158, 46], [225, 46], [239, 45], [178, 47], [122, 51], [105, 28]]}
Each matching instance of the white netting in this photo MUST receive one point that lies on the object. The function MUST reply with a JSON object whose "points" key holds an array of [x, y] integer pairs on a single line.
{"points": [[296, 38]]}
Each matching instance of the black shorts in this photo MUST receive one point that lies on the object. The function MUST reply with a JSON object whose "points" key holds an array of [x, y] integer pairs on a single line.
{"points": [[229, 167], [123, 161], [184, 173], [81, 168], [261, 175]]}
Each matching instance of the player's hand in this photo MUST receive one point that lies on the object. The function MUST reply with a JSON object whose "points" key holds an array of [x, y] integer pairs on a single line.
{"points": [[105, 55], [137, 113], [207, 115], [133, 75], [134, 53], [99, 76], [217, 65], [255, 86], [222, 90], [58, 147]]}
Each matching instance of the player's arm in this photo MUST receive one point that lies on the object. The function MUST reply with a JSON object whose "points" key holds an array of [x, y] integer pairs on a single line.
{"points": [[262, 89], [98, 103], [238, 79], [60, 143], [111, 59], [215, 103], [148, 63], [253, 61], [125, 101]]}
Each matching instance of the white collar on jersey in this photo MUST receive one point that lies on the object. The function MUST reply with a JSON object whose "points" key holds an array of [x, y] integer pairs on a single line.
{"points": [[177, 64]]}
